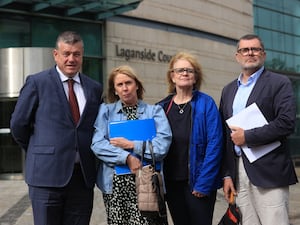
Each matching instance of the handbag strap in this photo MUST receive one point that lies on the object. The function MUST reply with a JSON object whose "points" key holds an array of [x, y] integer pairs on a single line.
{"points": [[160, 198], [170, 105], [151, 152], [156, 182]]}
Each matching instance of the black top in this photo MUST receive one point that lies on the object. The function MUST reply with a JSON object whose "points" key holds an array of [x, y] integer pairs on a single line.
{"points": [[176, 162]]}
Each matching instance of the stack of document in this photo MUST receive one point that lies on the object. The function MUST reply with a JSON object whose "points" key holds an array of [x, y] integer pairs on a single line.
{"points": [[249, 118]]}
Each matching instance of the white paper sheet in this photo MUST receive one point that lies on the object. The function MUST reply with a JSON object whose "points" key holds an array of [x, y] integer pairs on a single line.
{"points": [[252, 117]]}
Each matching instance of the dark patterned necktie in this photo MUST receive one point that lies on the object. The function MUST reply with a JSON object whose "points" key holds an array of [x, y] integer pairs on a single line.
{"points": [[73, 101]]}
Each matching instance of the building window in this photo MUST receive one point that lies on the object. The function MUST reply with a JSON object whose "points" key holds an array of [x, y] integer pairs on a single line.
{"points": [[14, 33], [45, 31], [278, 26], [25, 31]]}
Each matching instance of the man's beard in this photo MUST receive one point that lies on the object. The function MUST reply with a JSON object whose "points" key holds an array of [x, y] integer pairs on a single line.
{"points": [[253, 66]]}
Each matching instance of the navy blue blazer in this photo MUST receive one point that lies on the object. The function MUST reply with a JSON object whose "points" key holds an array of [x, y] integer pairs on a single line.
{"points": [[43, 126], [274, 96]]}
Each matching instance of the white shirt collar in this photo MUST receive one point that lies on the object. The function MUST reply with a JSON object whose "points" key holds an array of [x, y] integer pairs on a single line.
{"points": [[64, 78]]}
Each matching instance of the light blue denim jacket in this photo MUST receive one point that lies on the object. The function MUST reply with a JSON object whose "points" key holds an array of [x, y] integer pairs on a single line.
{"points": [[110, 155]]}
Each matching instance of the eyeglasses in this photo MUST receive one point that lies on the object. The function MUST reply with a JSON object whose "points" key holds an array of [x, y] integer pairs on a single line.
{"points": [[181, 71], [246, 51]]}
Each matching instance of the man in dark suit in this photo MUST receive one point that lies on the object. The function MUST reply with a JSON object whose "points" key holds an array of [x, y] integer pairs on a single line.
{"points": [[262, 186], [60, 167]]}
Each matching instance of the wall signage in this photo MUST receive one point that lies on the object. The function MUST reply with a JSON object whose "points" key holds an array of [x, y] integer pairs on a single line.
{"points": [[143, 54]]}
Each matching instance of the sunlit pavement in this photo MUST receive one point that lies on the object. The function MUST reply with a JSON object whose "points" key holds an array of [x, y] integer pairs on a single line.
{"points": [[15, 208]]}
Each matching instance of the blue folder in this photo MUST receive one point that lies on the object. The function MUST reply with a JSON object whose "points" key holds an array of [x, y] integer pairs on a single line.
{"points": [[138, 130]]}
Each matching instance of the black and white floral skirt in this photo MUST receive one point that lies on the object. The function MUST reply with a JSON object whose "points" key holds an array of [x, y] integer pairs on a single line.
{"points": [[121, 206]]}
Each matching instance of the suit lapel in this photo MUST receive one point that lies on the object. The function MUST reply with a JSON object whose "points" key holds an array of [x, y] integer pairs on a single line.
{"points": [[231, 94], [86, 92], [61, 93], [258, 87]]}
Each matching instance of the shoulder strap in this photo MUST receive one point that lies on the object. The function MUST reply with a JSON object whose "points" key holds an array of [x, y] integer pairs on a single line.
{"points": [[170, 105], [151, 152]]}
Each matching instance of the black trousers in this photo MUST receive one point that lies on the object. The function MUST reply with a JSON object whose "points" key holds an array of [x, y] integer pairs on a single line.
{"points": [[187, 209], [69, 205]]}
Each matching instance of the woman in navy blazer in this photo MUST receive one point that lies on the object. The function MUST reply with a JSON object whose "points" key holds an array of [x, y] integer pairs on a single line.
{"points": [[60, 167]]}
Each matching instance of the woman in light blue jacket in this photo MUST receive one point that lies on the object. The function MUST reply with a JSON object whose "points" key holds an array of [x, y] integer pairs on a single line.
{"points": [[192, 166], [125, 94]]}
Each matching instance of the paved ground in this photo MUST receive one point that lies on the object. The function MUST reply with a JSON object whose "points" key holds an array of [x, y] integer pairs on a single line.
{"points": [[15, 207]]}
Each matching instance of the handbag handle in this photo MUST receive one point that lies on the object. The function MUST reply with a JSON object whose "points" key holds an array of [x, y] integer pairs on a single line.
{"points": [[151, 152], [231, 198]]}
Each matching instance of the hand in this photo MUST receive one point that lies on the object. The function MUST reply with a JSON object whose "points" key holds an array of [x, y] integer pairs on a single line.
{"points": [[121, 143], [228, 188], [198, 194], [133, 163], [237, 135]]}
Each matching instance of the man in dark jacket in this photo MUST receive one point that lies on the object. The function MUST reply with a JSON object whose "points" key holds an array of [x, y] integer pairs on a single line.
{"points": [[262, 186]]}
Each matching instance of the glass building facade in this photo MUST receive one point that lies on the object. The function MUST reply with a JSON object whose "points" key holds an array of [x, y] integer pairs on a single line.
{"points": [[29, 31], [279, 27]]}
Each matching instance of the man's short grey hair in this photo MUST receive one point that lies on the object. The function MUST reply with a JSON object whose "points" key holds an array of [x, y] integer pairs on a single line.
{"points": [[68, 37], [251, 37]]}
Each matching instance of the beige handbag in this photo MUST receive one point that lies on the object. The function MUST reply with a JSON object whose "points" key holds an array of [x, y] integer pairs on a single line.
{"points": [[149, 187]]}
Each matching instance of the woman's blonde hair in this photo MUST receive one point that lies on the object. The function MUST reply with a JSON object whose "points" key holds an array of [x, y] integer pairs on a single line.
{"points": [[129, 71]]}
